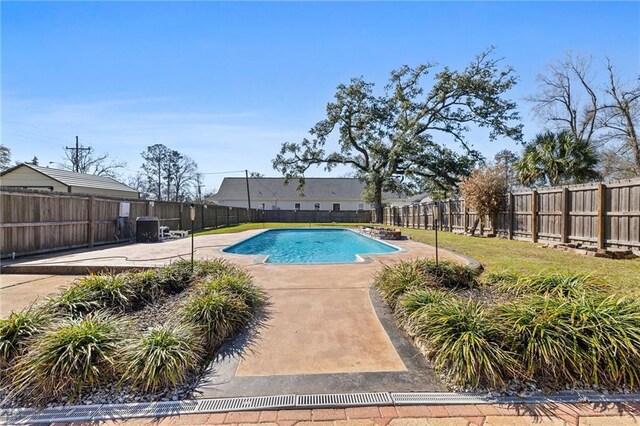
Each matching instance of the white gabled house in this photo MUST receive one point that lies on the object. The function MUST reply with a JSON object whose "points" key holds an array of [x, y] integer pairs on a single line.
{"points": [[325, 194]]}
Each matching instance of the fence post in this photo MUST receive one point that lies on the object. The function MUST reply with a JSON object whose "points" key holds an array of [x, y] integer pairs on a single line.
{"points": [[90, 220], [511, 213], [565, 215], [534, 216], [450, 215], [180, 216], [466, 217], [602, 195]]}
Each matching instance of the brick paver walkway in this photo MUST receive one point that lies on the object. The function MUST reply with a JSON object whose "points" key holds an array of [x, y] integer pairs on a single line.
{"points": [[449, 415]]}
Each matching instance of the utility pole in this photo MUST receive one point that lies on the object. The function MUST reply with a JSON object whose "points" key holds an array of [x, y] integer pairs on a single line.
{"points": [[246, 177], [76, 155]]}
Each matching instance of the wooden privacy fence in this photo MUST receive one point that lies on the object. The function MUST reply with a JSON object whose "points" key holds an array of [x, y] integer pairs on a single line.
{"points": [[317, 216], [598, 215], [38, 223]]}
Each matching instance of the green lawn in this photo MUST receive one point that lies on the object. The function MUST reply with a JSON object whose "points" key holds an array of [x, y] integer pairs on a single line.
{"points": [[248, 226], [497, 254]]}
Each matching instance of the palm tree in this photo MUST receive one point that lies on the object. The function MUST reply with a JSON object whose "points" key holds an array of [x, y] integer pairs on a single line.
{"points": [[555, 159]]}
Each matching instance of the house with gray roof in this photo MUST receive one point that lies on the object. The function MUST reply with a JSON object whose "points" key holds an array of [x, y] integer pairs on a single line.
{"points": [[29, 176], [272, 193]]}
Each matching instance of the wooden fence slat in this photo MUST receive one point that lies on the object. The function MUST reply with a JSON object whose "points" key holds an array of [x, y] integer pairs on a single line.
{"points": [[601, 215]]}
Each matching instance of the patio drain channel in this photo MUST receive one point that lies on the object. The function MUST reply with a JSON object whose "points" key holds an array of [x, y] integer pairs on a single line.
{"points": [[80, 413]]}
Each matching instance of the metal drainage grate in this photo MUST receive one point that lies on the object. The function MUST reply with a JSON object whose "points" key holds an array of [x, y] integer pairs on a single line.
{"points": [[343, 399], [78, 413], [409, 398], [246, 403], [145, 409], [48, 415]]}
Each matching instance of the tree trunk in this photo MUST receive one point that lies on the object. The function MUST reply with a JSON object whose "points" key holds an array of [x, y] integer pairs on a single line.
{"points": [[377, 202], [474, 226]]}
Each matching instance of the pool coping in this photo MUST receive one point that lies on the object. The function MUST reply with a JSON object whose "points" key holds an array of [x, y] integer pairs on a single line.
{"points": [[264, 259]]}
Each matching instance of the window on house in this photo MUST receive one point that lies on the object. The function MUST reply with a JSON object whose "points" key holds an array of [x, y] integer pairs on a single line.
{"points": [[336, 207], [360, 206], [297, 206], [274, 207], [316, 206]]}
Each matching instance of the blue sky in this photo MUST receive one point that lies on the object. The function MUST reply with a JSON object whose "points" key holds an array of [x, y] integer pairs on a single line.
{"points": [[227, 83]]}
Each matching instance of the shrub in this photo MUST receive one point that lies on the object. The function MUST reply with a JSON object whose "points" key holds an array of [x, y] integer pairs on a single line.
{"points": [[163, 356], [466, 344], [484, 192], [69, 356], [238, 283], [16, 330], [553, 284], [216, 313], [414, 305]]}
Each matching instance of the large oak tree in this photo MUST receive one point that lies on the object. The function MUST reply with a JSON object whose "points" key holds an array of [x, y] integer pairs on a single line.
{"points": [[398, 139]]}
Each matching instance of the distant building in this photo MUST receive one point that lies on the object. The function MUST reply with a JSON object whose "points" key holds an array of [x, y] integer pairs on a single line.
{"points": [[28, 176], [334, 194]]}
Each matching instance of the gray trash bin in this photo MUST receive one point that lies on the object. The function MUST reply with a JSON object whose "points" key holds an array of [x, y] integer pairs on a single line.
{"points": [[147, 229]]}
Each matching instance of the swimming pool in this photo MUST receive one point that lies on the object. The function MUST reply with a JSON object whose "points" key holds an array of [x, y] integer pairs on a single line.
{"points": [[310, 246]]}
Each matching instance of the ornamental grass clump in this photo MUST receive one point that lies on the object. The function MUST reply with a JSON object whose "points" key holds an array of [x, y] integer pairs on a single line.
{"points": [[465, 343], [175, 277], [505, 278], [591, 340], [216, 314], [414, 306], [540, 333], [393, 281], [15, 332], [214, 268], [238, 283], [146, 285], [449, 274], [163, 357], [553, 284], [95, 292], [69, 357], [110, 291], [74, 301], [608, 334]]}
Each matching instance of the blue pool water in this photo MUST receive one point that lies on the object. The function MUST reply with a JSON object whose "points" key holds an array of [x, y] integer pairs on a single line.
{"points": [[310, 246]]}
